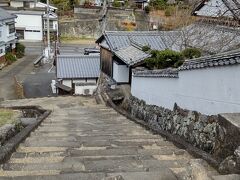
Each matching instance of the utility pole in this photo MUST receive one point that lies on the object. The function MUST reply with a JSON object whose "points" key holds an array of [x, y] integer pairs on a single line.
{"points": [[48, 32]]}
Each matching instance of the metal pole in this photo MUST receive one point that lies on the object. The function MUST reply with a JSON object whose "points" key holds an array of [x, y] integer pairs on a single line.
{"points": [[48, 32]]}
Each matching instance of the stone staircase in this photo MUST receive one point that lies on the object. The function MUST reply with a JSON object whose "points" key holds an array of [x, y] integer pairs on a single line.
{"points": [[84, 140]]}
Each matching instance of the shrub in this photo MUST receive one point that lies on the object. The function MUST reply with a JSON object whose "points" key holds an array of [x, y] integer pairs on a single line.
{"points": [[145, 48], [116, 3], [10, 58], [169, 11], [147, 9], [20, 50], [191, 53], [164, 59], [158, 4]]}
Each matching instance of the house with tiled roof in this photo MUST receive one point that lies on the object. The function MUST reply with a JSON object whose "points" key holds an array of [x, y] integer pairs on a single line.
{"points": [[121, 51], [31, 22], [224, 9], [209, 84], [77, 74], [7, 34]]}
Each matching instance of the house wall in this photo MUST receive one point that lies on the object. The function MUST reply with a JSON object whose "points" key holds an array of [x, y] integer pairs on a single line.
{"points": [[53, 27], [67, 83], [32, 24], [85, 90], [2, 58], [6, 36], [120, 73], [16, 4], [106, 61], [209, 90]]}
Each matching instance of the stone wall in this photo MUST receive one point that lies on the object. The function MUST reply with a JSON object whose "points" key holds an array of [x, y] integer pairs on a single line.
{"points": [[202, 131], [86, 22], [80, 28]]}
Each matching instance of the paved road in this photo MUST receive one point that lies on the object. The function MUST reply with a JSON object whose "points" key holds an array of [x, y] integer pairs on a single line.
{"points": [[38, 85], [36, 81], [37, 48], [85, 141], [22, 66]]}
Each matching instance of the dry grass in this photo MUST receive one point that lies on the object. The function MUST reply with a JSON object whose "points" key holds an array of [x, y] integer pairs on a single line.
{"points": [[77, 40], [180, 18], [7, 116]]}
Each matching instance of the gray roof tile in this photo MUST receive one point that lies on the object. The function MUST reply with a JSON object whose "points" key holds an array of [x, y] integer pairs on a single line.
{"points": [[222, 59], [169, 73], [78, 66], [131, 55], [4, 15], [158, 40]]}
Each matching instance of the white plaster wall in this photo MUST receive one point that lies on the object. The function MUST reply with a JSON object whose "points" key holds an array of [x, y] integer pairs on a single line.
{"points": [[55, 25], [33, 5], [5, 32], [67, 83], [16, 4], [3, 51], [79, 80], [210, 90], [79, 90], [120, 73], [32, 23], [20, 4], [91, 80]]}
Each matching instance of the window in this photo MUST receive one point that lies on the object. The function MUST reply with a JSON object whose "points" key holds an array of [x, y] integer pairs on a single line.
{"points": [[1, 51], [26, 4], [11, 28], [50, 24], [32, 31]]}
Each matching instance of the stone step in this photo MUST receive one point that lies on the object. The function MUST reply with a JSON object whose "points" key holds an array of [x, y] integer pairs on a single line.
{"points": [[40, 149], [38, 154], [36, 160], [61, 143], [227, 177], [58, 166], [70, 165], [68, 136], [127, 165], [162, 174], [76, 152], [35, 173], [75, 142], [93, 132]]}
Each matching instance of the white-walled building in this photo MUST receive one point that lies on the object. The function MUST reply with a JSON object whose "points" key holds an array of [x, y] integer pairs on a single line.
{"points": [[4, 3], [209, 85], [31, 19], [29, 24], [30, 4], [77, 74], [7, 34]]}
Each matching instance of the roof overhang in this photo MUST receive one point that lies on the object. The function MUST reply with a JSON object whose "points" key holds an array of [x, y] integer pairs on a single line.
{"points": [[63, 87]]}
